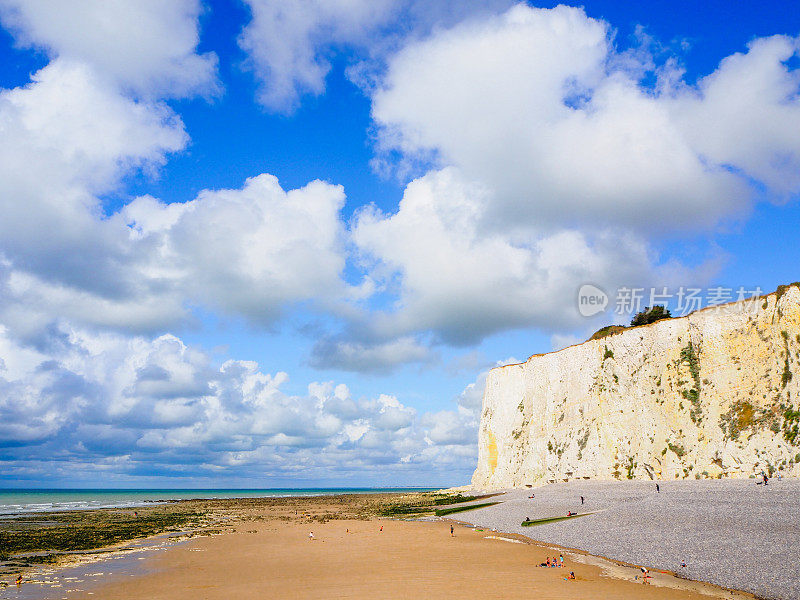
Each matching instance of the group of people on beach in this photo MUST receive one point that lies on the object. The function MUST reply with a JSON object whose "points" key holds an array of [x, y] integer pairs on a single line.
{"points": [[560, 561], [556, 562]]}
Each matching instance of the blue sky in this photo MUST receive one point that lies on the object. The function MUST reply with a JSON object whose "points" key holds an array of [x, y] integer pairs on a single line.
{"points": [[181, 305]]}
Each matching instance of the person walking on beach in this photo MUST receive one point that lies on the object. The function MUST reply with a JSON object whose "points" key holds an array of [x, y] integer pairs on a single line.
{"points": [[451, 531], [311, 536], [581, 499], [658, 489]]}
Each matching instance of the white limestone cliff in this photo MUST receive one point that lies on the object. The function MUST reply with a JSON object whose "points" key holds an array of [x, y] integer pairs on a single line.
{"points": [[712, 394]]}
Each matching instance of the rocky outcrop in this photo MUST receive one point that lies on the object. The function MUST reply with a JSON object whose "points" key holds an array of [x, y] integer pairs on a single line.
{"points": [[712, 394]]}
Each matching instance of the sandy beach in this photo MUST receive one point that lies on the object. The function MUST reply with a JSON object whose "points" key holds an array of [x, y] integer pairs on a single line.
{"points": [[405, 560], [264, 551]]}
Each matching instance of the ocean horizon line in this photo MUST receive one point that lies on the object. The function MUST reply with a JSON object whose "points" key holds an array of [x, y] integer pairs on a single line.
{"points": [[17, 501]]}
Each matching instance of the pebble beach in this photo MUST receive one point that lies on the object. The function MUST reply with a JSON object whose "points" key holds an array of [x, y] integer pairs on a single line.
{"points": [[732, 533]]}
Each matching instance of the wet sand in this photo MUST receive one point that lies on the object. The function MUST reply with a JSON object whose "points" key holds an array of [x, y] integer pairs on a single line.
{"points": [[270, 556]]}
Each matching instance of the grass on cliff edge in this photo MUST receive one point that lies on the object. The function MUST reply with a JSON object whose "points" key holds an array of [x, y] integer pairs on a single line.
{"points": [[607, 331], [552, 520]]}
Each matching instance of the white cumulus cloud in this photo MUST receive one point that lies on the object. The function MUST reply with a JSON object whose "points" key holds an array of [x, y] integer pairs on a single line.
{"points": [[247, 252], [159, 408], [464, 279], [539, 106], [289, 44], [147, 46]]}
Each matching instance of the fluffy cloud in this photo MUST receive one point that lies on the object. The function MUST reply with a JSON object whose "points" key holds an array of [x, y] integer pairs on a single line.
{"points": [[289, 43], [559, 166], [285, 42], [464, 279], [146, 46], [73, 134], [135, 405], [546, 84], [69, 137], [370, 356], [554, 166], [250, 251], [539, 106], [745, 113]]}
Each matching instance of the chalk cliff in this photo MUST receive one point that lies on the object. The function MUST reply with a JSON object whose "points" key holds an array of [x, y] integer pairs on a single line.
{"points": [[712, 394]]}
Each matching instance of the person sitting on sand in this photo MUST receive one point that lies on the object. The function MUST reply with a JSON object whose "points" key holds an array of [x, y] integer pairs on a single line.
{"points": [[19, 579], [554, 563], [570, 576], [560, 560], [548, 561]]}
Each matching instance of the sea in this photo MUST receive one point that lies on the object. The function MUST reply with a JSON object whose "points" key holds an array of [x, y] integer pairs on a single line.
{"points": [[23, 501]]}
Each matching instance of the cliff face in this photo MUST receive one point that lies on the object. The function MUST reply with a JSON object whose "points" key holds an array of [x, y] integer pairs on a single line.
{"points": [[713, 394]]}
